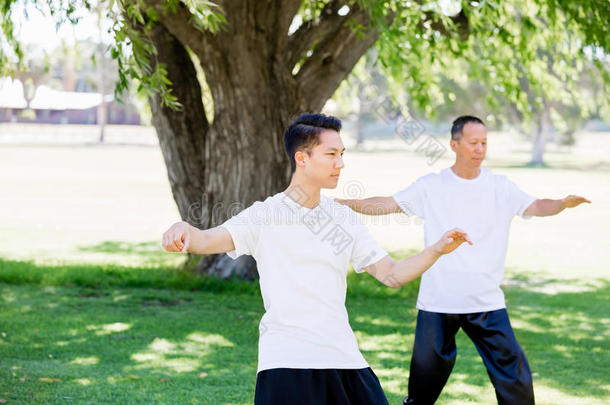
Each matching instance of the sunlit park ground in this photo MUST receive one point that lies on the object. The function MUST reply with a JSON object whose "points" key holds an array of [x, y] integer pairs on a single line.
{"points": [[91, 310]]}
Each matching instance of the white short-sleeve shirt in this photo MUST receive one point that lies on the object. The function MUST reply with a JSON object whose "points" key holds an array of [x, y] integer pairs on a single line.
{"points": [[302, 257], [467, 280]]}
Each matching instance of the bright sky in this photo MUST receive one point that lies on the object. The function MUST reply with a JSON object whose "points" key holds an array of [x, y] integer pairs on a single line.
{"points": [[40, 30]]}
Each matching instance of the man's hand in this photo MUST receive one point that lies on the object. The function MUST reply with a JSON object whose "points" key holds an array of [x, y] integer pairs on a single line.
{"points": [[177, 238], [572, 201], [451, 241], [397, 273], [184, 238]]}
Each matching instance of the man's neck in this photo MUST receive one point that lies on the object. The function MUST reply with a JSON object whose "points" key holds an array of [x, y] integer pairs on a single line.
{"points": [[465, 172], [303, 192]]}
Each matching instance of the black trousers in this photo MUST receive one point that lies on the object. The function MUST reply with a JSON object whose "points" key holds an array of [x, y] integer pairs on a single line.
{"points": [[291, 386], [434, 354]]}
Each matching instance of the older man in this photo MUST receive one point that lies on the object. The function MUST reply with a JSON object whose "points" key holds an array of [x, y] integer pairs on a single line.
{"points": [[462, 290]]}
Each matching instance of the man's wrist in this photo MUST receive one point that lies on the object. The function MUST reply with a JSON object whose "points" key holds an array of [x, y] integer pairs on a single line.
{"points": [[437, 249]]}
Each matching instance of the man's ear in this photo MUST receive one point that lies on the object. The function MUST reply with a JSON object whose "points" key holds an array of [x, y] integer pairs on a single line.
{"points": [[453, 144], [299, 158]]}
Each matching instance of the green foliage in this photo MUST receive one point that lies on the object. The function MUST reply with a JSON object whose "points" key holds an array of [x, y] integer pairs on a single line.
{"points": [[134, 51], [10, 48], [526, 53]]}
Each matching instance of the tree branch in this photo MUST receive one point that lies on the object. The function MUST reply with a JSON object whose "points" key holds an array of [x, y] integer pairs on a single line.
{"points": [[335, 57], [312, 31], [287, 9], [180, 25]]}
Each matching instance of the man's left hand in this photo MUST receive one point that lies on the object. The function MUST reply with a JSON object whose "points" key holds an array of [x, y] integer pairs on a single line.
{"points": [[572, 201]]}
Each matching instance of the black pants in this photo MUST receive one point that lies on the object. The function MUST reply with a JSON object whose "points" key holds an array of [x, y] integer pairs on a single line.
{"points": [[290, 386], [434, 354]]}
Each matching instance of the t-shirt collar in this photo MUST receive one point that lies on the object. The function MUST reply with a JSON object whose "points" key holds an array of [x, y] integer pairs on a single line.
{"points": [[454, 176], [287, 200]]}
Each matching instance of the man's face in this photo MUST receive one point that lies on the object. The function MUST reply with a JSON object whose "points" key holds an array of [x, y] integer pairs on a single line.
{"points": [[471, 148], [323, 164]]}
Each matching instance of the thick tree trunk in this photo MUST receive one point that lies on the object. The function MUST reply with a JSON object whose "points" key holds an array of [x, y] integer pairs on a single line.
{"points": [[218, 168]]}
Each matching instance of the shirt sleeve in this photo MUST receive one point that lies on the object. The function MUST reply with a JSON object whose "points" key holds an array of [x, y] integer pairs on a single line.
{"points": [[245, 230], [410, 199], [365, 250], [518, 200]]}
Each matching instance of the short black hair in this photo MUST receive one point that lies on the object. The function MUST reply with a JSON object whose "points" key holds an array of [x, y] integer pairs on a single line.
{"points": [[303, 133], [458, 125]]}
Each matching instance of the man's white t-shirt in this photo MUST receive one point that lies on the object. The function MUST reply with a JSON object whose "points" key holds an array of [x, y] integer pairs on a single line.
{"points": [[467, 280], [302, 257]]}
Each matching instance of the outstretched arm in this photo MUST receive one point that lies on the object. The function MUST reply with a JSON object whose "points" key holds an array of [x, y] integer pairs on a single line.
{"points": [[372, 206], [183, 237], [397, 273], [547, 207]]}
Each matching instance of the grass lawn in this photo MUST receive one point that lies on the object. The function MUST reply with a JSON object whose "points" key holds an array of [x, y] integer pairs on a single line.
{"points": [[95, 334], [93, 311]]}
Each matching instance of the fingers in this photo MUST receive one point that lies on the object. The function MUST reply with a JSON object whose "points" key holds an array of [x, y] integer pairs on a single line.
{"points": [[168, 243], [458, 234], [178, 244], [187, 241], [461, 239], [172, 241], [578, 198], [575, 200]]}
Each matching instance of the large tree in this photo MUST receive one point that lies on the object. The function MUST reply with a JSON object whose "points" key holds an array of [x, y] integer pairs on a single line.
{"points": [[261, 62]]}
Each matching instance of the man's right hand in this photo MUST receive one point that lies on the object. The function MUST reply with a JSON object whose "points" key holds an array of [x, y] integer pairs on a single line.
{"points": [[451, 240], [177, 238]]}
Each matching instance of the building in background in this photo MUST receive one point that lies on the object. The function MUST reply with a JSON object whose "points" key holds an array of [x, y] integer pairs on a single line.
{"points": [[50, 106]]}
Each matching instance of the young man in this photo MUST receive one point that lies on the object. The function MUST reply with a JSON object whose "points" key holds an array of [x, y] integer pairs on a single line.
{"points": [[303, 244], [463, 289]]}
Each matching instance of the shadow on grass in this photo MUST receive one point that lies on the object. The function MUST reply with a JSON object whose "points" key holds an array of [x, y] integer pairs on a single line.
{"points": [[110, 275], [129, 253], [160, 275], [562, 326], [106, 333], [122, 344], [127, 345], [150, 250]]}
